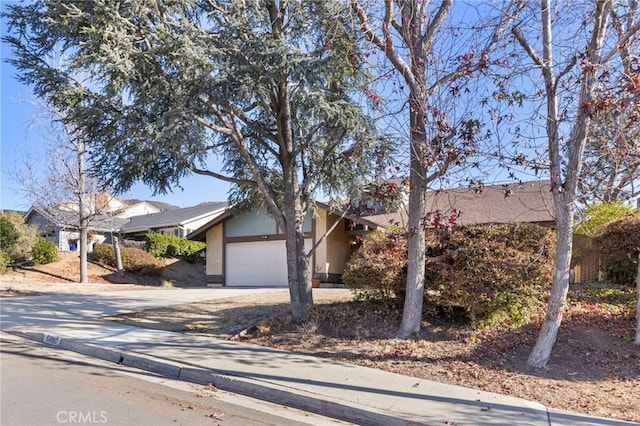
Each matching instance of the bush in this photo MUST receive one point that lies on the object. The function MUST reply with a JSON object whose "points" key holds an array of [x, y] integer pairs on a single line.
{"points": [[619, 243], [377, 270], [496, 273], [162, 246], [44, 251], [16, 237], [8, 233], [4, 262], [134, 260], [597, 216]]}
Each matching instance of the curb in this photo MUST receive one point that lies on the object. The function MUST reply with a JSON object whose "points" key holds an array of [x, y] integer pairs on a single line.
{"points": [[246, 386]]}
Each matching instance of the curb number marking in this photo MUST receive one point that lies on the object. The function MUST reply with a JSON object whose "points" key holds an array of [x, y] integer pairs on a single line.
{"points": [[51, 339]]}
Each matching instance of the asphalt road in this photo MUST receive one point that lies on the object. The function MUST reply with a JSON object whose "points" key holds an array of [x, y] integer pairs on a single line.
{"points": [[40, 385]]}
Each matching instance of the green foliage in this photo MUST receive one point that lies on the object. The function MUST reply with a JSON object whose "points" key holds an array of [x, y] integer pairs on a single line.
{"points": [[596, 216], [4, 262], [44, 251], [619, 244], [496, 273], [17, 238], [377, 270], [150, 111], [8, 234], [162, 246], [134, 260]]}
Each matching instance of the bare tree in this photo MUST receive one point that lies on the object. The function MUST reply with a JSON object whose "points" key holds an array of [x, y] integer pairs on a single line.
{"points": [[612, 152], [568, 84], [67, 192], [409, 34]]}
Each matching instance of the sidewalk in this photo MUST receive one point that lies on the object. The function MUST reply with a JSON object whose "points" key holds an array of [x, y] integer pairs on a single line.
{"points": [[356, 394]]}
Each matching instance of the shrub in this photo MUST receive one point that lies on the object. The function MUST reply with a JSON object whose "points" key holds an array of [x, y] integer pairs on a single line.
{"points": [[619, 243], [8, 233], [597, 216], [4, 262], [162, 246], [496, 273], [134, 260], [16, 237], [44, 251], [377, 270]]}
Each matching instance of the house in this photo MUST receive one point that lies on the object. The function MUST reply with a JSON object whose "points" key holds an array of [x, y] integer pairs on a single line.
{"points": [[61, 226], [109, 205], [246, 248], [177, 222]]}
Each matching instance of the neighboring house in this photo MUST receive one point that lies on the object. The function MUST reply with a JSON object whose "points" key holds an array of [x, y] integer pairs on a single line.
{"points": [[177, 222], [137, 208], [109, 205], [61, 226], [246, 248]]}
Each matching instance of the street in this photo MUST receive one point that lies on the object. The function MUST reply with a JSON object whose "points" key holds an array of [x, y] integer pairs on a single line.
{"points": [[41, 385]]}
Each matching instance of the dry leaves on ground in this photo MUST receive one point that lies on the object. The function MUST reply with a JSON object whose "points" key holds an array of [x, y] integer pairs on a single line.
{"points": [[594, 368]]}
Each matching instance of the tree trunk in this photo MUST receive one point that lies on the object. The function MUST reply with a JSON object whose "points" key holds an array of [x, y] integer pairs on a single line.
{"points": [[83, 250], [84, 209], [298, 270], [304, 267], [412, 312], [637, 341], [557, 299], [118, 256]]}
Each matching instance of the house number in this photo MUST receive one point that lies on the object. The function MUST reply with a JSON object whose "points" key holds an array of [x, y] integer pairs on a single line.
{"points": [[51, 339]]}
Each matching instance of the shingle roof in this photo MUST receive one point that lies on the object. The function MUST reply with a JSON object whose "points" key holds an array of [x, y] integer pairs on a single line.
{"points": [[173, 217], [69, 219], [509, 203]]}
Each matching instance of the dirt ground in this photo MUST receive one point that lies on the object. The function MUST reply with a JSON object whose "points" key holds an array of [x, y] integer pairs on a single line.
{"points": [[594, 369]]}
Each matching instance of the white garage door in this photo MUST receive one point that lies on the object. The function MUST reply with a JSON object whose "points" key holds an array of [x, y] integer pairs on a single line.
{"points": [[260, 264]]}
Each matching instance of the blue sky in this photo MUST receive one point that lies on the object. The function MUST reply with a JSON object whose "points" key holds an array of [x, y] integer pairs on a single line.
{"points": [[21, 135]]}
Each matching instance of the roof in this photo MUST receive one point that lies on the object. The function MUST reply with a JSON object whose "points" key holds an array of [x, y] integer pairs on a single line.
{"points": [[173, 217], [157, 204], [69, 219], [200, 234], [509, 203]]}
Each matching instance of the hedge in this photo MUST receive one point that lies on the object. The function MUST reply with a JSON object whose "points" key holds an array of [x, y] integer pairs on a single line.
{"points": [[619, 242], [494, 273], [163, 246], [134, 260], [377, 270]]}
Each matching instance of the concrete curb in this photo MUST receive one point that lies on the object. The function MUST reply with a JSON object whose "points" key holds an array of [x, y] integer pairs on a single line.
{"points": [[246, 386]]}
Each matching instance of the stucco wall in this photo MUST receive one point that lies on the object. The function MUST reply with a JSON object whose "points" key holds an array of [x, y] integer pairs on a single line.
{"points": [[334, 252], [214, 250], [321, 250], [340, 248]]}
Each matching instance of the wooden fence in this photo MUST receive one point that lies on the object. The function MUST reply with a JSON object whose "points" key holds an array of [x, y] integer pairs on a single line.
{"points": [[586, 261]]}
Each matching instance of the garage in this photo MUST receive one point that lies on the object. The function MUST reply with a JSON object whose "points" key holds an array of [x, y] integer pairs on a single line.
{"points": [[257, 263]]}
